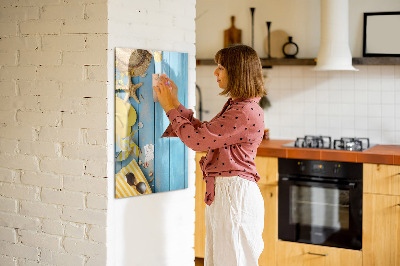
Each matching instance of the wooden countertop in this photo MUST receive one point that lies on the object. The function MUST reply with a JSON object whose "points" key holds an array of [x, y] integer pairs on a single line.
{"points": [[379, 154]]}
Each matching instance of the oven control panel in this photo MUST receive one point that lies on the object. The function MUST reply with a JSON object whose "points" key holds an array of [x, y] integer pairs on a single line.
{"points": [[331, 169]]}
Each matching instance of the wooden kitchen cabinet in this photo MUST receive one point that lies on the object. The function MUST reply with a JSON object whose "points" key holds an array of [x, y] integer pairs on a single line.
{"points": [[200, 207], [298, 254], [267, 168], [270, 233], [381, 215], [381, 230], [381, 179]]}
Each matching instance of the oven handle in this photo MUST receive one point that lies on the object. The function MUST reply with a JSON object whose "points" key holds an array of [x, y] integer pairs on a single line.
{"points": [[297, 181]]}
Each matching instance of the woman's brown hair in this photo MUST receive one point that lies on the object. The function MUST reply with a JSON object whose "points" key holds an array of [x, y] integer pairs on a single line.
{"points": [[245, 78]]}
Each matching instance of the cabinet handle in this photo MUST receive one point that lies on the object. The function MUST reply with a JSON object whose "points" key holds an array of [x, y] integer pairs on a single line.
{"points": [[318, 254]]}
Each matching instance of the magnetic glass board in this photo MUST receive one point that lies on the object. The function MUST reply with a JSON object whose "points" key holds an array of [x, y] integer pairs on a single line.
{"points": [[145, 163]]}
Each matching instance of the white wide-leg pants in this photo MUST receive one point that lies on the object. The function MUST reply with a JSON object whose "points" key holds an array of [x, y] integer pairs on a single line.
{"points": [[234, 223]]}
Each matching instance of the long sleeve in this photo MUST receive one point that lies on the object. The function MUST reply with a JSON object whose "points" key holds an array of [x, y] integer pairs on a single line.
{"points": [[225, 130], [186, 113], [231, 139]]}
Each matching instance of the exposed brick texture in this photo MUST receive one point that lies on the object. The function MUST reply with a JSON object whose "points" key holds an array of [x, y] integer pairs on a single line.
{"points": [[53, 55]]}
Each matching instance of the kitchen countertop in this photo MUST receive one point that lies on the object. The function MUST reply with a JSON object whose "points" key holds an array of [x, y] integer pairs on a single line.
{"points": [[379, 154]]}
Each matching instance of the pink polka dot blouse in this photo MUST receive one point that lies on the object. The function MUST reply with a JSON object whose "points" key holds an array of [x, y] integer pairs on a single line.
{"points": [[231, 139]]}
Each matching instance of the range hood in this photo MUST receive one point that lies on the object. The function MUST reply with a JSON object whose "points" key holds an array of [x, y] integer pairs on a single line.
{"points": [[334, 51]]}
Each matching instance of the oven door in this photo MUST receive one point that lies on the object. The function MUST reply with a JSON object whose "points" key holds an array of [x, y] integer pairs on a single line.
{"points": [[320, 212]]}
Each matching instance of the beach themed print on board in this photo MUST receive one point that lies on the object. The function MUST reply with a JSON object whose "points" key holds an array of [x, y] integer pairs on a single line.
{"points": [[145, 163]]}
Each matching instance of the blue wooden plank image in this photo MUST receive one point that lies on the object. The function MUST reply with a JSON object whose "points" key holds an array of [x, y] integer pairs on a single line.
{"points": [[144, 162]]}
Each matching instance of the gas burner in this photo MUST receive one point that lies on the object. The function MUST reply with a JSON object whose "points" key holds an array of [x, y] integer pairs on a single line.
{"points": [[324, 142], [351, 144], [321, 142]]}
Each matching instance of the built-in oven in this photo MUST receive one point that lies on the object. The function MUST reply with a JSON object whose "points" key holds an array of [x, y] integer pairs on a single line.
{"points": [[320, 202]]}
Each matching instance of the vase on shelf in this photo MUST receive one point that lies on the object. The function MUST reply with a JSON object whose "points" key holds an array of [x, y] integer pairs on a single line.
{"points": [[290, 49]]}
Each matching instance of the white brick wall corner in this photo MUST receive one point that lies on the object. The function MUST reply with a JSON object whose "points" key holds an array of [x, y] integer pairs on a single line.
{"points": [[54, 83], [53, 107]]}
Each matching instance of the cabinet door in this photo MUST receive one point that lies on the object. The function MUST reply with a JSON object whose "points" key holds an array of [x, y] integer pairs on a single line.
{"points": [[200, 207], [297, 254], [267, 168], [270, 233], [381, 230], [381, 179]]}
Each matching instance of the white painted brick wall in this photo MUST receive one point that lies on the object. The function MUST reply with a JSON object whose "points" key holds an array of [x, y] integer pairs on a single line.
{"points": [[53, 227], [53, 107], [41, 210], [63, 197], [8, 205], [6, 260], [88, 216], [54, 79], [41, 179], [61, 258], [20, 192], [19, 221], [7, 175], [19, 251], [97, 234], [8, 234], [95, 201], [84, 247], [96, 168], [86, 183], [41, 240], [75, 230]]}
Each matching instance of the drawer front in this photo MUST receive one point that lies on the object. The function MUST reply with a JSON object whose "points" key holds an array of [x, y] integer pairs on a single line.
{"points": [[293, 254], [381, 179]]}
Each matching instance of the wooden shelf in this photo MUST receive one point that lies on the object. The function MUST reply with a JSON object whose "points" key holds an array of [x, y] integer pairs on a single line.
{"points": [[376, 61], [288, 62], [312, 61]]}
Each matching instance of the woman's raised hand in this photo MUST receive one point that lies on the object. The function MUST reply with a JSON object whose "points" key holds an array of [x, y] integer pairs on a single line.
{"points": [[164, 94], [174, 91]]}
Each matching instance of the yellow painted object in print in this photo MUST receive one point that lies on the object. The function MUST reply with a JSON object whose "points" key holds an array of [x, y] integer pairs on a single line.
{"points": [[129, 145], [122, 188], [125, 118]]}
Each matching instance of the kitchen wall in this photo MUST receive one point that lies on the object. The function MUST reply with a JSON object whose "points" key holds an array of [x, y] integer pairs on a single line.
{"points": [[53, 118], [154, 229], [339, 104]]}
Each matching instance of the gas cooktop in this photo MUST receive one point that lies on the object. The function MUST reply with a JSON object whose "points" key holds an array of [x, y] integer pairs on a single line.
{"points": [[325, 142]]}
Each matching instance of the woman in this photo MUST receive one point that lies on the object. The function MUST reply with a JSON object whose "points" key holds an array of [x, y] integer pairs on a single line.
{"points": [[235, 207]]}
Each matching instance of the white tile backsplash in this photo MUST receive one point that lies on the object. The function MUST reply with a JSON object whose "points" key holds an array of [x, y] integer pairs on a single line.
{"points": [[388, 97], [364, 103], [388, 111], [374, 110], [374, 97]]}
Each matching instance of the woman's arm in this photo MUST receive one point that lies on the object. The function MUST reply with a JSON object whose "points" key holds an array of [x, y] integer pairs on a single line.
{"points": [[228, 129], [186, 113]]}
